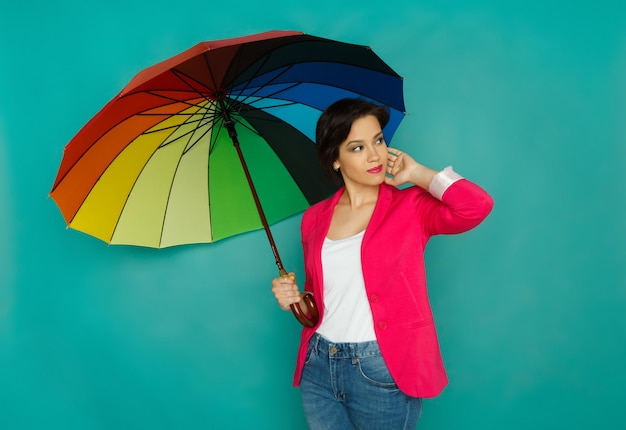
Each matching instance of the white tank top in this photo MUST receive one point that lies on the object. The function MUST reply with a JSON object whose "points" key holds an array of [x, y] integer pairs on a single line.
{"points": [[347, 316]]}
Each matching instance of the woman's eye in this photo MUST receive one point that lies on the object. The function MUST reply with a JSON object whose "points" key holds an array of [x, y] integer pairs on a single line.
{"points": [[380, 140], [357, 148]]}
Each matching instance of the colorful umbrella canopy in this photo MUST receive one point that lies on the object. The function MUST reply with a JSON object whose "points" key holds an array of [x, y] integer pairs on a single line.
{"points": [[160, 164]]}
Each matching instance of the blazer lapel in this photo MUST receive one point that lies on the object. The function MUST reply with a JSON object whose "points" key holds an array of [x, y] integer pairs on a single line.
{"points": [[380, 210], [322, 224]]}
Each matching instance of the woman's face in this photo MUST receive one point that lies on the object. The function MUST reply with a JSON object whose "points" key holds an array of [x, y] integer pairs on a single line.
{"points": [[363, 155]]}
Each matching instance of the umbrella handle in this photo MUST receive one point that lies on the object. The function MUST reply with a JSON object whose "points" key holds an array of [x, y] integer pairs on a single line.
{"points": [[311, 319]]}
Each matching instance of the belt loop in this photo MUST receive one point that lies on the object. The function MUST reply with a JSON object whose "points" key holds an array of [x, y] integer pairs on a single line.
{"points": [[316, 342], [354, 353]]}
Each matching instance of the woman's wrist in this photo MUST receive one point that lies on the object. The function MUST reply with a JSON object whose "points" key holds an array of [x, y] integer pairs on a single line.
{"points": [[423, 176]]}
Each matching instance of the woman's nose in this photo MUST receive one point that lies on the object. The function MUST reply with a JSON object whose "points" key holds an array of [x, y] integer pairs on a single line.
{"points": [[373, 154]]}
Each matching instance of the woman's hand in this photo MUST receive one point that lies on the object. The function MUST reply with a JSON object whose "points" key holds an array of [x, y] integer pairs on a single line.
{"points": [[286, 291], [401, 168]]}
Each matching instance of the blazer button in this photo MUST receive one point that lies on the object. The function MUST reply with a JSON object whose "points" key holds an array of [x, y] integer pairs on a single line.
{"points": [[374, 298], [382, 325]]}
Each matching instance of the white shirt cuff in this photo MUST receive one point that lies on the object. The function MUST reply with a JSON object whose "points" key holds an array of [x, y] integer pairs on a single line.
{"points": [[442, 180]]}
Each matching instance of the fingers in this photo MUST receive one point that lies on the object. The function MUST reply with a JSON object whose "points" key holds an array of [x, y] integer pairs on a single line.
{"points": [[394, 161], [401, 167], [286, 291], [393, 152]]}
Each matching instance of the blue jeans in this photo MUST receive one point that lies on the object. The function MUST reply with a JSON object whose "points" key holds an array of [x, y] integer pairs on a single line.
{"points": [[347, 386]]}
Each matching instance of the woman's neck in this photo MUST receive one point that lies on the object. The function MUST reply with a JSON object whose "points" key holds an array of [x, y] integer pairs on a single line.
{"points": [[357, 196]]}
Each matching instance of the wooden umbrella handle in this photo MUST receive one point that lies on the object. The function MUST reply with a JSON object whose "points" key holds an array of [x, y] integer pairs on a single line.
{"points": [[307, 320], [311, 319]]}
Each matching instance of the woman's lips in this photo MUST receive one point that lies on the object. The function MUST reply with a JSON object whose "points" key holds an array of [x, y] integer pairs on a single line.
{"points": [[376, 169]]}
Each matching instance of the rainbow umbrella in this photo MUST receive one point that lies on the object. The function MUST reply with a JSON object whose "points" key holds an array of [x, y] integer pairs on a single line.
{"points": [[216, 141]]}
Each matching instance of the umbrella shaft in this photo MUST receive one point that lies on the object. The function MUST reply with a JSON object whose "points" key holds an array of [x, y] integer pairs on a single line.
{"points": [[230, 126]]}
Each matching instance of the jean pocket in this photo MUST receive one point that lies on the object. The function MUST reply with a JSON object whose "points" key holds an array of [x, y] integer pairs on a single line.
{"points": [[374, 370]]}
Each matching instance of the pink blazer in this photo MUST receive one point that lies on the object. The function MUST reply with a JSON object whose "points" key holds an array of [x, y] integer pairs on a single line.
{"points": [[393, 269]]}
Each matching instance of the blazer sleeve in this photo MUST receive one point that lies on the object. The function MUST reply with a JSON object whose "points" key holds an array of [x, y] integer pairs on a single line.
{"points": [[462, 207]]}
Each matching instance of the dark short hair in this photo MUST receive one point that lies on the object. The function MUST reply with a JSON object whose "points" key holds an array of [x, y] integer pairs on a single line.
{"points": [[334, 126]]}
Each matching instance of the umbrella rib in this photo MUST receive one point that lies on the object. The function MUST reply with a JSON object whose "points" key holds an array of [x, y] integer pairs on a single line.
{"points": [[278, 104], [244, 101], [246, 126], [255, 74], [180, 75], [272, 95], [237, 59], [208, 66], [170, 116], [186, 80], [204, 133], [261, 86], [204, 117], [175, 100]]}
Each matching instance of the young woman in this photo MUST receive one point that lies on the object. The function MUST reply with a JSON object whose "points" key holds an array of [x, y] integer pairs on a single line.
{"points": [[374, 353]]}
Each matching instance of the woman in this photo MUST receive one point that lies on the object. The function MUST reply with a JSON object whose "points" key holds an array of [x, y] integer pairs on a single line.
{"points": [[374, 353]]}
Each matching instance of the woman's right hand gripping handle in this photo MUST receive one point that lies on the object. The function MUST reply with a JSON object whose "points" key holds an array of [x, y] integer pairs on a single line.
{"points": [[290, 298]]}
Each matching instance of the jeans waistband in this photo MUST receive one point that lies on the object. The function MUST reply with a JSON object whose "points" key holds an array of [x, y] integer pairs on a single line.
{"points": [[344, 350]]}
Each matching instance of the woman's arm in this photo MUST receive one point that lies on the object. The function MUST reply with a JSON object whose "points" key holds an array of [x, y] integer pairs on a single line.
{"points": [[454, 205]]}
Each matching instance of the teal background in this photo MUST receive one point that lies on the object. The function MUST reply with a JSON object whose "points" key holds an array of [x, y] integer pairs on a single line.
{"points": [[527, 98]]}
